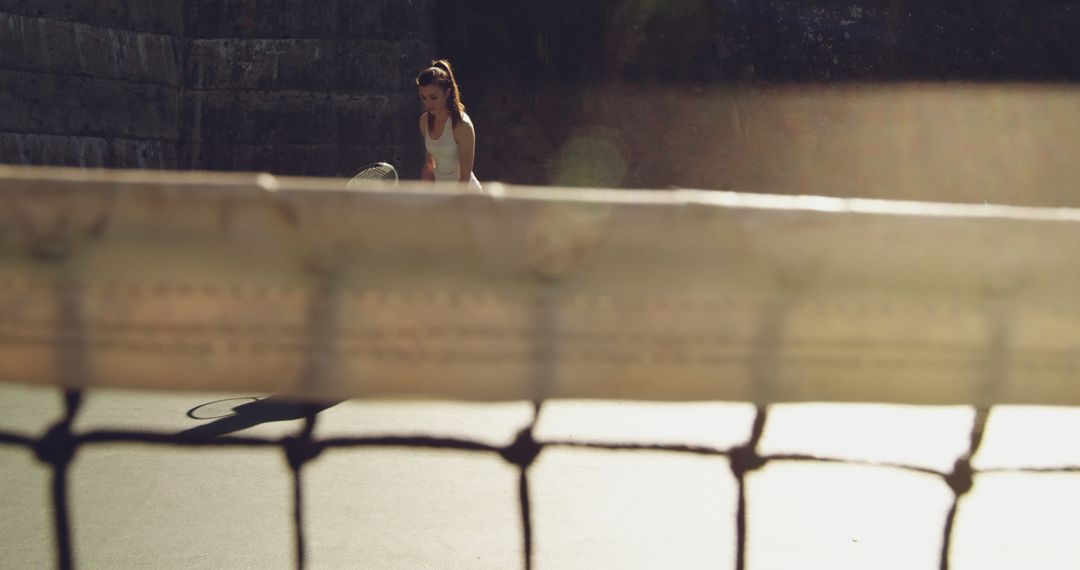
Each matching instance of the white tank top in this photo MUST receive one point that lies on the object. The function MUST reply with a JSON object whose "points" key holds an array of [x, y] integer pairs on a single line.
{"points": [[445, 152]]}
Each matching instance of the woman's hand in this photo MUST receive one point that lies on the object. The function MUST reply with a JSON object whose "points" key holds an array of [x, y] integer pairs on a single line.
{"points": [[427, 172]]}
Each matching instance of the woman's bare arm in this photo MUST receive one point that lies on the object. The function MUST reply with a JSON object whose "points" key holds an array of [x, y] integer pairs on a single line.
{"points": [[427, 172], [465, 135]]}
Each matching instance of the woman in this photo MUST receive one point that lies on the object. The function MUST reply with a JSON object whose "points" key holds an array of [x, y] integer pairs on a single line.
{"points": [[449, 136]]}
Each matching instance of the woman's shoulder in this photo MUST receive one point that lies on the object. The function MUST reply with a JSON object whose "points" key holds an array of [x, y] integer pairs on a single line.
{"points": [[465, 123]]}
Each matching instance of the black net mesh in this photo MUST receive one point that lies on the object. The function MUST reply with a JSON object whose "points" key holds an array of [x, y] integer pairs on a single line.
{"points": [[690, 296], [58, 447]]}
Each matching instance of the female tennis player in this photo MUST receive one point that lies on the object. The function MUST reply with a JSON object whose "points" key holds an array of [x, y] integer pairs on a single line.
{"points": [[449, 136]]}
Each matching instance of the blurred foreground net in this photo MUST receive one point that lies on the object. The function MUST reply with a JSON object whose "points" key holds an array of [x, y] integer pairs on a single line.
{"points": [[303, 289]]}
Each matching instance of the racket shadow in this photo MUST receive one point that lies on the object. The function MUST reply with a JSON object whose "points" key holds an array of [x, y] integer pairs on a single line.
{"points": [[251, 414]]}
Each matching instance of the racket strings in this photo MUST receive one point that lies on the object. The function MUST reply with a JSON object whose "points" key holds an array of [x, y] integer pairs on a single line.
{"points": [[380, 172]]}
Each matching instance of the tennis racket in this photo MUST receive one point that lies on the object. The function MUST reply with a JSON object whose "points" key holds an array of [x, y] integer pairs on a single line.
{"points": [[377, 172]]}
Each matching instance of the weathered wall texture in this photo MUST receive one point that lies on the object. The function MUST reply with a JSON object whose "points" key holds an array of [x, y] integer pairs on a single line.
{"points": [[755, 95], [315, 87], [90, 83], [975, 143], [781, 96]]}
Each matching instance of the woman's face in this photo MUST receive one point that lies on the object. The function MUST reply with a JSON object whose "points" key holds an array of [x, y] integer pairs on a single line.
{"points": [[433, 98]]}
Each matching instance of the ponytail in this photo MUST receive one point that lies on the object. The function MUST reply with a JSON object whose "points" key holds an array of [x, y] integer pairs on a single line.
{"points": [[441, 74]]}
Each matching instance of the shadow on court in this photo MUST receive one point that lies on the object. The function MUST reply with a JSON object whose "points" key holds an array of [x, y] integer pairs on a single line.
{"points": [[252, 413]]}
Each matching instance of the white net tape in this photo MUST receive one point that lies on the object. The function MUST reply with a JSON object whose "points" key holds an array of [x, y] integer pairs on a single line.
{"points": [[251, 283]]}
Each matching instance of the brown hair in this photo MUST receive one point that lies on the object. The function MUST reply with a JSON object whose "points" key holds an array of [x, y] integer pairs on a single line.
{"points": [[442, 75]]}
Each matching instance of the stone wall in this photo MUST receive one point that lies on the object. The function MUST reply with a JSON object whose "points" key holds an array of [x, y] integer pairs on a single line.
{"points": [[307, 87], [754, 95], [303, 87], [785, 96], [90, 83]]}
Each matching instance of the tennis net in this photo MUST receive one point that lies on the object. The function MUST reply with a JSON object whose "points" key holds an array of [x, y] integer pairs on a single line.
{"points": [[299, 288]]}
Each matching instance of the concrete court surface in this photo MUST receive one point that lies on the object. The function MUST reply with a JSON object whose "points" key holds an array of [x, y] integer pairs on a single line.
{"points": [[142, 506]]}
